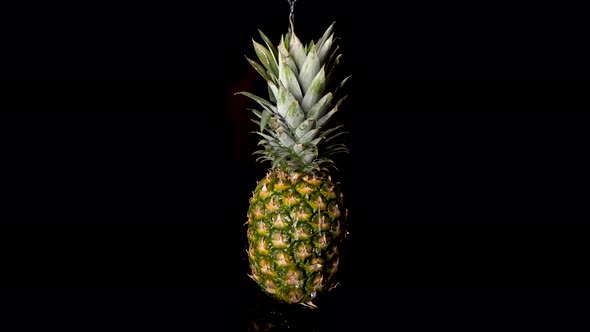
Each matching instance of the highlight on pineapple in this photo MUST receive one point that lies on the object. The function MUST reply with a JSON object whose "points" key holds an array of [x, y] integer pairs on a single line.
{"points": [[296, 220]]}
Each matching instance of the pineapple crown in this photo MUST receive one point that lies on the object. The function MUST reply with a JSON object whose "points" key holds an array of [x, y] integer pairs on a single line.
{"points": [[295, 130]]}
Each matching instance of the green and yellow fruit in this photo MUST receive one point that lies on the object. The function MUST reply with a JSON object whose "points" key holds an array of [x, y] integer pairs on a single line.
{"points": [[296, 218]]}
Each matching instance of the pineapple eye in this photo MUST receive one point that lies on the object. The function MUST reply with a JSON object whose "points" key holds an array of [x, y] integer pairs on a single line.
{"points": [[278, 240], [278, 222]]}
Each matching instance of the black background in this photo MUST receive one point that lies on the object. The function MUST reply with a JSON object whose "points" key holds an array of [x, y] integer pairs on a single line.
{"points": [[208, 41], [127, 166]]}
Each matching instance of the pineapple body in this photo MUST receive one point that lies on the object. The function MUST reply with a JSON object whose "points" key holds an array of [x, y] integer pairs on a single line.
{"points": [[296, 225]]}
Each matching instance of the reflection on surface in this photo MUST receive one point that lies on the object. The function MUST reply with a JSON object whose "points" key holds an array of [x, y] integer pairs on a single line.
{"points": [[267, 314]]}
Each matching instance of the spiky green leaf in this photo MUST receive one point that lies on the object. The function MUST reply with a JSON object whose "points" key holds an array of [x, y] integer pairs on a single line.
{"points": [[269, 44], [296, 49], [264, 119], [309, 69], [261, 70], [320, 107], [294, 115], [309, 136], [266, 58], [289, 80], [326, 36], [315, 91], [286, 58], [304, 127]]}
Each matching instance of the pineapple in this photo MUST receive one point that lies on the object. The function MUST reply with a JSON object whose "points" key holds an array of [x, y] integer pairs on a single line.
{"points": [[296, 219]]}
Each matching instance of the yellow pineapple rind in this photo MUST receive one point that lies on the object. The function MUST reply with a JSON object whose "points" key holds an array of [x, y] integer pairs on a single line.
{"points": [[294, 235]]}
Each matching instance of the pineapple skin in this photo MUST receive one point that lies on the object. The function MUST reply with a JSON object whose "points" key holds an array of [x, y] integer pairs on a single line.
{"points": [[296, 225]]}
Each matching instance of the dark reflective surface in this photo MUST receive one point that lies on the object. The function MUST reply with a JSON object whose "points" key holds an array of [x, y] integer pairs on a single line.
{"points": [[197, 309]]}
